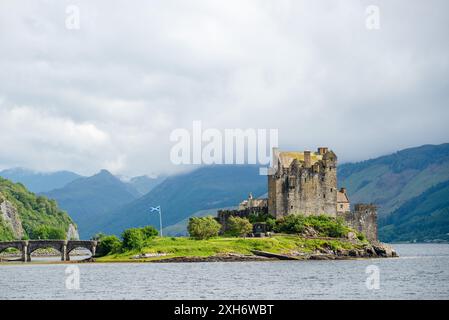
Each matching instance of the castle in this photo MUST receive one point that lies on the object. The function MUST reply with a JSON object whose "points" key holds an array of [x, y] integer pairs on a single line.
{"points": [[306, 183]]}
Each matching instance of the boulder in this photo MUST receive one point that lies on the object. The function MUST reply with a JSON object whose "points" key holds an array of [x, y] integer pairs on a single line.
{"points": [[384, 250]]}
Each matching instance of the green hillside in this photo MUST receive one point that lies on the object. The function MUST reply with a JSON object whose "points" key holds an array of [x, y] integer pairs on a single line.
{"points": [[390, 181], [422, 218], [34, 214]]}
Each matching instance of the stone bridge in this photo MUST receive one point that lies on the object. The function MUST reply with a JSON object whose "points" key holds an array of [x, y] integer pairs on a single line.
{"points": [[27, 247]]}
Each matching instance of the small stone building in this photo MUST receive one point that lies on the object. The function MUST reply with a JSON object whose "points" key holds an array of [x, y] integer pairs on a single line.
{"points": [[343, 204]]}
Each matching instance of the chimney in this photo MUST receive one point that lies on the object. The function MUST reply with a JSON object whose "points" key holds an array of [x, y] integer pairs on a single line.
{"points": [[322, 150], [343, 190], [307, 159]]}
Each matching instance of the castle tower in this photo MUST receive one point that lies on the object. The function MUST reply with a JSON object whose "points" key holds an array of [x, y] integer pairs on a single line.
{"points": [[303, 183]]}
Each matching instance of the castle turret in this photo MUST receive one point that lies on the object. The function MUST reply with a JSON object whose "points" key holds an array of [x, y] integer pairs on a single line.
{"points": [[307, 159]]}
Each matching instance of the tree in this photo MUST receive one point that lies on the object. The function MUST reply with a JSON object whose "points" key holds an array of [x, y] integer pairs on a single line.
{"points": [[133, 239], [149, 232], [108, 244], [203, 228], [48, 233], [239, 227]]}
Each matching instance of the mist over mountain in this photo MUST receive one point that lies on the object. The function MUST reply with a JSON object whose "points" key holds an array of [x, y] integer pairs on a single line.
{"points": [[38, 181], [85, 199], [396, 183], [144, 184], [182, 195]]}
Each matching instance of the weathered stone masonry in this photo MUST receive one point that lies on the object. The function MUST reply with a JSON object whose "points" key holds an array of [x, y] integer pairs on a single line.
{"points": [[306, 183], [303, 183]]}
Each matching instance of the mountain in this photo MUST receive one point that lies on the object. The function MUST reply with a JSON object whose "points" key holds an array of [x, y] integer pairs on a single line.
{"points": [[23, 214], [87, 199], [144, 184], [38, 182], [182, 195], [422, 219], [389, 181]]}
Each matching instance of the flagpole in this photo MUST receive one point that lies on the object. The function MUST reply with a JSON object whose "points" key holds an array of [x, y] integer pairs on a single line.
{"points": [[160, 220]]}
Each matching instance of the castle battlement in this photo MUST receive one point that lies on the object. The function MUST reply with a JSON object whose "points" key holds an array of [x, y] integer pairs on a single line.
{"points": [[303, 183]]}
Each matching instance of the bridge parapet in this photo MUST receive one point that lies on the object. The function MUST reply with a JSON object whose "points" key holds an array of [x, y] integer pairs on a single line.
{"points": [[27, 247]]}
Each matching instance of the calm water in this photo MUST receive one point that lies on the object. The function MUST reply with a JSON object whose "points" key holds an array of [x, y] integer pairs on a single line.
{"points": [[422, 272]]}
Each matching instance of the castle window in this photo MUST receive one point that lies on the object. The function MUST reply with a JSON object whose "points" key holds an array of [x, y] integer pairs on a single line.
{"points": [[341, 206], [291, 207], [332, 190], [324, 196]]}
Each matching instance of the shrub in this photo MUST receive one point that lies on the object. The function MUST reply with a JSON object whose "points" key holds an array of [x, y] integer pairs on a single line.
{"points": [[326, 226], [271, 224], [290, 224], [108, 244], [361, 236], [98, 236], [239, 227], [203, 228], [47, 232], [149, 232], [133, 239]]}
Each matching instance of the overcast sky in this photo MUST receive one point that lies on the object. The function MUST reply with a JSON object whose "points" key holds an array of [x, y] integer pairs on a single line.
{"points": [[108, 95]]}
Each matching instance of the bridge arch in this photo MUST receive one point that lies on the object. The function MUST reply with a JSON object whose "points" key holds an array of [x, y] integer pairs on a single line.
{"points": [[13, 244], [22, 246], [77, 244], [58, 245]]}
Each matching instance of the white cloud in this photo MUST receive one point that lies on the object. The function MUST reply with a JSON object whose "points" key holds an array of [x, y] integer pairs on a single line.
{"points": [[108, 95]]}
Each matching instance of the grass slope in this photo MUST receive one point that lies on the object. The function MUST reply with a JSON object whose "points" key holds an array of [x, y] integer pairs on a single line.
{"points": [[186, 247]]}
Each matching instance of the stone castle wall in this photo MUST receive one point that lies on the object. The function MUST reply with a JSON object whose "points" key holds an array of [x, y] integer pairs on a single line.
{"points": [[224, 215], [304, 189], [363, 219]]}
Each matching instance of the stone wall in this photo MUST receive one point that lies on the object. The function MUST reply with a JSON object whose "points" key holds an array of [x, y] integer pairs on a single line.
{"points": [[224, 215], [363, 219]]}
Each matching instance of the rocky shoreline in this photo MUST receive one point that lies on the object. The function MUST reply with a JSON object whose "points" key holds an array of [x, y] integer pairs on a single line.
{"points": [[376, 250], [365, 251]]}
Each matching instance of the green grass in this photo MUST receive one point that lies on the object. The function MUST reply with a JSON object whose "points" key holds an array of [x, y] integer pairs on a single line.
{"points": [[186, 247]]}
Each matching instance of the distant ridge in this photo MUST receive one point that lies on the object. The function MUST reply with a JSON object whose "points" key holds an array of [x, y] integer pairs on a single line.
{"points": [[182, 195], [86, 199], [38, 182]]}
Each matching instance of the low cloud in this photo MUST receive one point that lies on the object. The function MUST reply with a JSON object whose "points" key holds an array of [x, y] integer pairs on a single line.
{"points": [[109, 94]]}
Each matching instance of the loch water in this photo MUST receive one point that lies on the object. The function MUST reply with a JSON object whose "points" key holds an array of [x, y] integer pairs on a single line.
{"points": [[421, 272]]}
